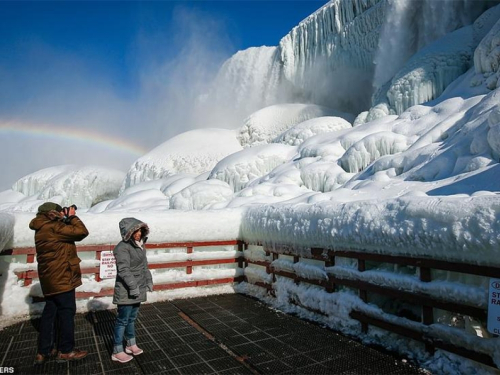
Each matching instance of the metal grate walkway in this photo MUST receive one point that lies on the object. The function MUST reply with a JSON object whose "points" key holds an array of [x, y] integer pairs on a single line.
{"points": [[227, 334]]}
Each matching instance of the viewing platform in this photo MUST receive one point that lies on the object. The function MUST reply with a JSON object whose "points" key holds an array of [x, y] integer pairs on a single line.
{"points": [[223, 334]]}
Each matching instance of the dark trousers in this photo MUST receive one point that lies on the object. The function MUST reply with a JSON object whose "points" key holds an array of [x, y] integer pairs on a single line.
{"points": [[62, 306]]}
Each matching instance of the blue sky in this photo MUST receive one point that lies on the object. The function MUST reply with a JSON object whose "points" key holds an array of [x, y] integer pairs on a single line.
{"points": [[116, 69], [113, 39]]}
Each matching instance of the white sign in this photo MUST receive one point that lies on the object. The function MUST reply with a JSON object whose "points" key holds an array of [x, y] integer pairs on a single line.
{"points": [[494, 307], [108, 265]]}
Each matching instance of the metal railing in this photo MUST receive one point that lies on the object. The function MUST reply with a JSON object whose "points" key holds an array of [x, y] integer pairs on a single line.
{"points": [[28, 275], [426, 302]]}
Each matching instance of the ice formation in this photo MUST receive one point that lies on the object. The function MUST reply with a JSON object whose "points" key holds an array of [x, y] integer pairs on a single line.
{"points": [[241, 168], [304, 130], [487, 58], [247, 82], [268, 123], [67, 185], [201, 195], [196, 152]]}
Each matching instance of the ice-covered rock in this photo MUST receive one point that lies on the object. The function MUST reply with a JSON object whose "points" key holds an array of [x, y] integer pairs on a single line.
{"points": [[329, 55], [34, 183], [425, 75], [487, 56], [307, 129], [67, 185], [201, 195], [493, 136], [268, 123], [195, 152], [365, 151], [6, 228], [242, 167]]}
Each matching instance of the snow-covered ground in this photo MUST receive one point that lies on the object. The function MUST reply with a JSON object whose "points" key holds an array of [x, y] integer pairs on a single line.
{"points": [[417, 174]]}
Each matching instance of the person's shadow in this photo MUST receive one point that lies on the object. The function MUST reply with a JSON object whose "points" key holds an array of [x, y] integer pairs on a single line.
{"points": [[102, 320]]}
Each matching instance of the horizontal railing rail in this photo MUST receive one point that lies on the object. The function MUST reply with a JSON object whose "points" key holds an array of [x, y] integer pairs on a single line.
{"points": [[27, 275], [331, 281]]}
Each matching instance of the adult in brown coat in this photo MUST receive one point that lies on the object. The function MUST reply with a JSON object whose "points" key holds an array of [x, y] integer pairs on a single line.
{"points": [[56, 231]]}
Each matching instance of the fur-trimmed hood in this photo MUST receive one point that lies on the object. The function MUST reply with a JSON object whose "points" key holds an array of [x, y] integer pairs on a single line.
{"points": [[129, 225]]}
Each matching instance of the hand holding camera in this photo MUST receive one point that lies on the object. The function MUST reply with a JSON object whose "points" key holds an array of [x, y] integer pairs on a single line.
{"points": [[69, 212]]}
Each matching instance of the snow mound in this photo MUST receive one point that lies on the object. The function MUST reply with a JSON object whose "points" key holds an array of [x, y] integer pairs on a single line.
{"points": [[140, 200], [34, 183], [67, 185], [6, 228], [195, 151], [307, 129], [324, 176], [268, 123], [364, 152], [493, 136], [239, 169], [201, 195]]}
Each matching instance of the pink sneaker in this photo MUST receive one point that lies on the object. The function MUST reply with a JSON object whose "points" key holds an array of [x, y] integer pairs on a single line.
{"points": [[134, 349], [121, 357]]}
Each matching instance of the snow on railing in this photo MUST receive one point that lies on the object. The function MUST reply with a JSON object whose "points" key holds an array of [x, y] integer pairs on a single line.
{"points": [[345, 286], [358, 284], [164, 261]]}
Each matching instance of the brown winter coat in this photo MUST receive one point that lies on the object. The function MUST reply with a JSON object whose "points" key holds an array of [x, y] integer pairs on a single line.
{"points": [[58, 262]]}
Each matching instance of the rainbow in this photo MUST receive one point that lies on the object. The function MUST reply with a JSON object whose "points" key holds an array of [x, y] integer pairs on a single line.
{"points": [[69, 133]]}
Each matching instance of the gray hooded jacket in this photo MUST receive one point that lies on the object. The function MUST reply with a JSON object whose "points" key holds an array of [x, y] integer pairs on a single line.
{"points": [[133, 277]]}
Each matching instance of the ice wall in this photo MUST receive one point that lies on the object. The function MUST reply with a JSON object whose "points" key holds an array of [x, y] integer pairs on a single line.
{"points": [[487, 58], [248, 81], [426, 74], [329, 55], [347, 50], [412, 25]]}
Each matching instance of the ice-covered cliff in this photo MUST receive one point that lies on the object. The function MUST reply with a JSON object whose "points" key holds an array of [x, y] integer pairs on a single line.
{"points": [[348, 50]]}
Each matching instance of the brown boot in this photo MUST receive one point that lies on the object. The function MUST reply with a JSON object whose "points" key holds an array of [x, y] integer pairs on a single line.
{"points": [[75, 355], [41, 358]]}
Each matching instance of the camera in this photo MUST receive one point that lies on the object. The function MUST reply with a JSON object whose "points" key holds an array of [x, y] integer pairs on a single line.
{"points": [[65, 210]]}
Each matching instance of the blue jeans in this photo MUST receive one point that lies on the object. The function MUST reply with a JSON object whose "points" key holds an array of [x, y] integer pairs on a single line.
{"points": [[125, 326], [62, 307]]}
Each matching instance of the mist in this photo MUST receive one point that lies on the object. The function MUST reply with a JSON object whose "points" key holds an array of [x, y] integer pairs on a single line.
{"points": [[174, 66]]}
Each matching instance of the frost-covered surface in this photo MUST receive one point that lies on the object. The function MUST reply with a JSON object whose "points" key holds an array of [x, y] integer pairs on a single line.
{"points": [[329, 55], [454, 228], [431, 70], [67, 185], [196, 152], [487, 57], [249, 80], [242, 167], [268, 123], [307, 129]]}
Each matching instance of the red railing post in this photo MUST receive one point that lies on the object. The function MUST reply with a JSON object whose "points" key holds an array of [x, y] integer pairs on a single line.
{"points": [[98, 273], [30, 258], [362, 293], [189, 269]]}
